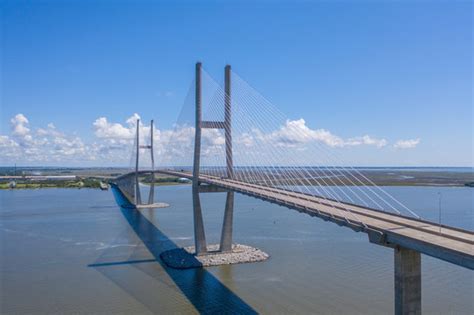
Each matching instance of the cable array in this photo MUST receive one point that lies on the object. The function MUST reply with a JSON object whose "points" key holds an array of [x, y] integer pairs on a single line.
{"points": [[269, 150]]}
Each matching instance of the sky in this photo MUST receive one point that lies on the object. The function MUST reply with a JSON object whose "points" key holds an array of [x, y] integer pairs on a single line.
{"points": [[384, 83]]}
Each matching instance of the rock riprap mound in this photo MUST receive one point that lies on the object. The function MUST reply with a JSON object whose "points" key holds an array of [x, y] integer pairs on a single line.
{"points": [[184, 258]]}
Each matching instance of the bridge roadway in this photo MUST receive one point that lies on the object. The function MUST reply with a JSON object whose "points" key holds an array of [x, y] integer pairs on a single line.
{"points": [[452, 244]]}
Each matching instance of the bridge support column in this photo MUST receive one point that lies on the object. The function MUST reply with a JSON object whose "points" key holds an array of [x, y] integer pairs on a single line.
{"points": [[226, 235], [228, 123], [199, 234], [407, 281], [151, 194], [137, 196]]}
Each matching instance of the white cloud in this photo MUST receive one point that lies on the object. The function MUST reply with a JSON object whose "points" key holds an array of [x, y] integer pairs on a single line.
{"points": [[245, 139], [295, 133], [113, 143], [105, 129], [176, 147], [20, 125], [50, 130], [6, 142], [367, 140], [407, 144], [41, 146]]}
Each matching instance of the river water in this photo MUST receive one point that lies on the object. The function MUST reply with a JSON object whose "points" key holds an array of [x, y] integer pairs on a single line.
{"points": [[75, 251]]}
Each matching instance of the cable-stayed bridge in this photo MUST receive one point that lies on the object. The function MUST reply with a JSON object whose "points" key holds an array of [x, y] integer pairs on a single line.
{"points": [[235, 141]]}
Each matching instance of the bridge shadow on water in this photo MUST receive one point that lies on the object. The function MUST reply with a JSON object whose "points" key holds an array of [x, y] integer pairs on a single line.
{"points": [[206, 292]]}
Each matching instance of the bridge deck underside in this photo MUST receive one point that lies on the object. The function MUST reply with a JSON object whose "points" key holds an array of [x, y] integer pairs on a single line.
{"points": [[453, 245]]}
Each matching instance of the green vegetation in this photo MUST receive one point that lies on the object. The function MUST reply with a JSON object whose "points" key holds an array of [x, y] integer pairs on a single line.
{"points": [[80, 183], [25, 184]]}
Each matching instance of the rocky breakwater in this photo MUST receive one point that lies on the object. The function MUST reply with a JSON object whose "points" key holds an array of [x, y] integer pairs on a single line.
{"points": [[184, 258]]}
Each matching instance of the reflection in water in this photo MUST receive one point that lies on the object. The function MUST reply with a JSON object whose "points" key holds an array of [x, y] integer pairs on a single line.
{"points": [[201, 288]]}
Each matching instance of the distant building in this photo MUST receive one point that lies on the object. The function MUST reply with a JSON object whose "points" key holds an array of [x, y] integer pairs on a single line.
{"points": [[183, 180], [103, 186]]}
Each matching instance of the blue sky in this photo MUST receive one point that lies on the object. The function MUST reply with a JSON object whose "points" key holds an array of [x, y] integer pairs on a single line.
{"points": [[394, 70]]}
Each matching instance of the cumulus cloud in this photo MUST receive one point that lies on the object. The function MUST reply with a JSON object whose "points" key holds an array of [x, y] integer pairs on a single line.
{"points": [[407, 144], [112, 143], [105, 129], [49, 131], [176, 146], [20, 125], [245, 139], [41, 146], [367, 140], [6, 142], [295, 133], [172, 143]]}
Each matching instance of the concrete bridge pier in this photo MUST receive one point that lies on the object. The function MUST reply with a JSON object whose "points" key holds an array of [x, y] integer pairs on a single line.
{"points": [[407, 281], [226, 125], [226, 235], [137, 196], [199, 234]]}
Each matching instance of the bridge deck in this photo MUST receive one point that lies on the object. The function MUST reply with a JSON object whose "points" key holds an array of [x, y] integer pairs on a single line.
{"points": [[452, 244]]}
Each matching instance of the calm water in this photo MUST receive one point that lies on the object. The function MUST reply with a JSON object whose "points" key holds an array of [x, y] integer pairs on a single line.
{"points": [[75, 251]]}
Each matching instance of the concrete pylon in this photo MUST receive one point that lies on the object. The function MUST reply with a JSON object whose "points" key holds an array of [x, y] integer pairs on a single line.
{"points": [[199, 233], [137, 187], [226, 234], [152, 155], [151, 195], [407, 281], [228, 123], [137, 195]]}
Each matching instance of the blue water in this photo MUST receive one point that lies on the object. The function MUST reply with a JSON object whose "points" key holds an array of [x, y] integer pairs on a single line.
{"points": [[75, 251]]}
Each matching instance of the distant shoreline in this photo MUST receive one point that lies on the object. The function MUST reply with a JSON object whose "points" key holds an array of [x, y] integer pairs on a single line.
{"points": [[286, 176], [21, 186]]}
